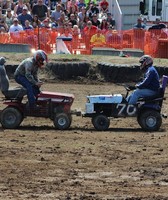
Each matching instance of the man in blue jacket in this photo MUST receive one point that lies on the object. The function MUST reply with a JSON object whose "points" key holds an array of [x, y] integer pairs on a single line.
{"points": [[150, 84]]}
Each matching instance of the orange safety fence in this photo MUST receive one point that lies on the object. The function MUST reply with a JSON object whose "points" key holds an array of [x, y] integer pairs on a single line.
{"points": [[152, 42]]}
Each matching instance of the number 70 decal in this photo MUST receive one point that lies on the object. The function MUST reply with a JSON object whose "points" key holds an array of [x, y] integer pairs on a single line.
{"points": [[129, 109]]}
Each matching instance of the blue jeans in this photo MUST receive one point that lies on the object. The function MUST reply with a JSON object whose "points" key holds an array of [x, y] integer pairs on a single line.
{"points": [[140, 93], [32, 90]]}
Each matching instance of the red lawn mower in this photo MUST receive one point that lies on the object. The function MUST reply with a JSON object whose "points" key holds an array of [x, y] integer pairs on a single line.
{"points": [[56, 106]]}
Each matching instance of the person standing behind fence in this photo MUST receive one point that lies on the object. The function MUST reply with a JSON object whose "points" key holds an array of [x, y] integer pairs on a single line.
{"points": [[139, 34], [14, 30], [15, 27], [88, 31], [98, 39]]}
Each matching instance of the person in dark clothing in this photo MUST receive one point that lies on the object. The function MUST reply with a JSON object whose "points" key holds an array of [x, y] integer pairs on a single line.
{"points": [[41, 10], [158, 25], [142, 7], [93, 9], [95, 20], [150, 85]]}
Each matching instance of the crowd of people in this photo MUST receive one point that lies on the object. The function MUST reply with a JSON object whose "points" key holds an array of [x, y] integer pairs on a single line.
{"points": [[72, 16], [90, 20]]}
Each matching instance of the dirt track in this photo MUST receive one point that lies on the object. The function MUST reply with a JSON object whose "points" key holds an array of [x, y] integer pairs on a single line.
{"points": [[39, 162]]}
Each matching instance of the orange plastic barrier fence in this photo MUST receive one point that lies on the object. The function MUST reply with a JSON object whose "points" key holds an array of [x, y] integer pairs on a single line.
{"points": [[152, 42]]}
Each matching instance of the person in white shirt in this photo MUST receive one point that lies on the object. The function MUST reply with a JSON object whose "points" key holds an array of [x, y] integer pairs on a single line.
{"points": [[15, 27], [14, 30]]}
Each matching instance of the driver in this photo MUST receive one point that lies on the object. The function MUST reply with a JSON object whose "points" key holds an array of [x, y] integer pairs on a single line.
{"points": [[150, 84], [26, 75]]}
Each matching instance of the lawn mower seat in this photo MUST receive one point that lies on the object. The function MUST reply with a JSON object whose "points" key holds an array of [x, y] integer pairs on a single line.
{"points": [[9, 93]]}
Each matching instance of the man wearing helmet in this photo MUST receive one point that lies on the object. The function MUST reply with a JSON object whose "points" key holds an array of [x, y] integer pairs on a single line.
{"points": [[150, 84], [26, 75]]}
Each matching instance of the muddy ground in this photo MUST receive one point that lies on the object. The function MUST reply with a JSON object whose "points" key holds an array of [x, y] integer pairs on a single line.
{"points": [[123, 163]]}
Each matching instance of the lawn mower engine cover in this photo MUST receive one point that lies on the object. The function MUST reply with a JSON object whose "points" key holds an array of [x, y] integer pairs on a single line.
{"points": [[101, 99]]}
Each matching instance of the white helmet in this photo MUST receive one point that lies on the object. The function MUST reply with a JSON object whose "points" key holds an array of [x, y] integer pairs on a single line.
{"points": [[145, 61], [40, 57]]}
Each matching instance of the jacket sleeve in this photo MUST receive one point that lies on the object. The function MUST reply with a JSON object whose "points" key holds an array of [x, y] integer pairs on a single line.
{"points": [[147, 80]]}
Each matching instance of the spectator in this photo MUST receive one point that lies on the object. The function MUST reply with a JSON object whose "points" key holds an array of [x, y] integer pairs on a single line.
{"points": [[104, 24], [139, 24], [53, 4], [93, 9], [30, 37], [32, 3], [85, 21], [36, 22], [24, 16], [47, 3], [104, 6], [139, 34], [4, 36], [66, 32], [80, 4], [158, 25], [2, 16], [95, 20], [4, 25], [9, 17], [41, 10], [74, 11], [61, 20], [71, 6], [5, 4], [28, 26], [75, 31], [98, 39], [109, 34], [63, 4], [81, 17], [69, 26], [113, 38], [46, 23], [14, 30], [18, 8], [55, 15], [90, 29], [73, 20], [15, 27], [76, 35], [110, 20]]}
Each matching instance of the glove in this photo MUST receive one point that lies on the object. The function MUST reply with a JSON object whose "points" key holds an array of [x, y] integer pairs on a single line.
{"points": [[132, 87]]}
